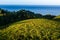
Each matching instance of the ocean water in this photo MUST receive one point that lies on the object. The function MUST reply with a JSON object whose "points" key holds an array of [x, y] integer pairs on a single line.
{"points": [[42, 9]]}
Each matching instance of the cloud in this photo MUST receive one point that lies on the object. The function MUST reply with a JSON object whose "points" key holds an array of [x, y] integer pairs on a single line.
{"points": [[31, 2]]}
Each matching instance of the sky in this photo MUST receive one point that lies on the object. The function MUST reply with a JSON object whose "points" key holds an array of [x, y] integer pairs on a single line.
{"points": [[29, 2]]}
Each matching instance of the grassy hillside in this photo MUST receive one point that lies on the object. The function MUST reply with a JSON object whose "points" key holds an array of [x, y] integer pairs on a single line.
{"points": [[57, 18], [32, 29]]}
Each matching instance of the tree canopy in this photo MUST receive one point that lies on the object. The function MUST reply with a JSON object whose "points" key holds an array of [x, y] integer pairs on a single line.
{"points": [[7, 17]]}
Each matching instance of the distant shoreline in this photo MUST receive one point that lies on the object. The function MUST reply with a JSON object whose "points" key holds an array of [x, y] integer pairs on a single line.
{"points": [[54, 10]]}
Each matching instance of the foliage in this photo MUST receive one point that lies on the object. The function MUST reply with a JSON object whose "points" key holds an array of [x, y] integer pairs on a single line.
{"points": [[48, 16], [7, 17]]}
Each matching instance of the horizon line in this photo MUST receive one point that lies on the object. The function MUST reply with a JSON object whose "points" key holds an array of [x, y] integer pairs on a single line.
{"points": [[30, 4]]}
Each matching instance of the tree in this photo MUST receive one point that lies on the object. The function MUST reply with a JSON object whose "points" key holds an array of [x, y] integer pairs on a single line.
{"points": [[49, 16]]}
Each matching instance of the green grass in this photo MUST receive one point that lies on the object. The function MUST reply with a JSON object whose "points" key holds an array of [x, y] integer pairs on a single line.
{"points": [[1, 14], [32, 29], [57, 18]]}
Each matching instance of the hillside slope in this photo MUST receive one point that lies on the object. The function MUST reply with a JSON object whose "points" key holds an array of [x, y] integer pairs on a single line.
{"points": [[32, 29], [57, 18]]}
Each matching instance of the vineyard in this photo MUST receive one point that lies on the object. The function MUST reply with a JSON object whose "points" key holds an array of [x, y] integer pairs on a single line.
{"points": [[32, 29]]}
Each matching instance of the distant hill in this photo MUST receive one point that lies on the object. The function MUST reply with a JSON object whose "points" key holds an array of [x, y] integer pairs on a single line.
{"points": [[32, 29], [57, 18]]}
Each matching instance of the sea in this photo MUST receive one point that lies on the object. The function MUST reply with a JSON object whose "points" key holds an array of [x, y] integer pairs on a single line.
{"points": [[40, 9]]}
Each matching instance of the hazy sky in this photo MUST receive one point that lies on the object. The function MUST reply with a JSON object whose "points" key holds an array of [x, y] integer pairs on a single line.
{"points": [[30, 2]]}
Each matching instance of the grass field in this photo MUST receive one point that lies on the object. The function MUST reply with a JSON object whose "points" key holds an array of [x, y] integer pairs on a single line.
{"points": [[32, 29]]}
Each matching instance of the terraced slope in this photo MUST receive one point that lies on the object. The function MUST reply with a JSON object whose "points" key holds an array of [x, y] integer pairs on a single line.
{"points": [[32, 29]]}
